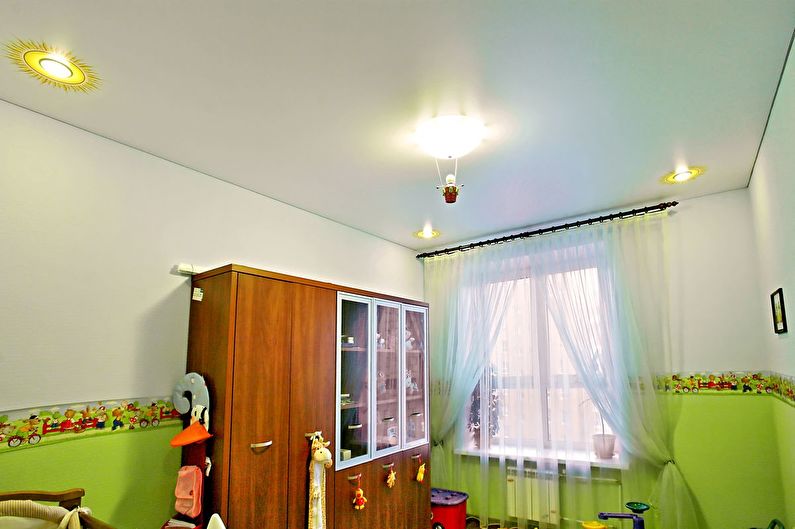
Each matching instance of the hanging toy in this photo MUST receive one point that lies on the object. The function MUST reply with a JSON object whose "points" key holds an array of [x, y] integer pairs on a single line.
{"points": [[358, 499], [421, 471], [319, 461], [358, 495], [391, 475]]}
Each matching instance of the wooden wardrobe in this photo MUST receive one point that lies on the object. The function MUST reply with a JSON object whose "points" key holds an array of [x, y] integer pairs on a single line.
{"points": [[267, 345]]}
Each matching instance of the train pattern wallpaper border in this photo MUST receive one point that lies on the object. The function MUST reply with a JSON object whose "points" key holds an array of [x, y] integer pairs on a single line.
{"points": [[48, 425], [730, 383]]}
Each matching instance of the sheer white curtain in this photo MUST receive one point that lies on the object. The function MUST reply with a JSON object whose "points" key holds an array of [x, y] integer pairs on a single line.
{"points": [[468, 300], [565, 360], [617, 337]]}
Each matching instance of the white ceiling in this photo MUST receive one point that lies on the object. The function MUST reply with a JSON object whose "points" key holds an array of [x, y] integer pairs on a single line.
{"points": [[312, 102]]}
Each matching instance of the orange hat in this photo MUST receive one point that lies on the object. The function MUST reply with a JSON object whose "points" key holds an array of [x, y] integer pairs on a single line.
{"points": [[195, 433]]}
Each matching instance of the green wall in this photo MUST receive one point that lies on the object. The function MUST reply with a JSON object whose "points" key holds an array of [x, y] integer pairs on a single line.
{"points": [[732, 449], [728, 450], [785, 429], [129, 478]]}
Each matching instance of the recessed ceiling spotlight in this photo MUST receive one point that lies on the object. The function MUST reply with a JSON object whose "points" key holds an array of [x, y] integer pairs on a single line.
{"points": [[427, 232], [52, 66], [682, 175]]}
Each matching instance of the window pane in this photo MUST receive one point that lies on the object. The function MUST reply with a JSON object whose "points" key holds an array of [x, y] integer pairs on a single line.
{"points": [[535, 399]]}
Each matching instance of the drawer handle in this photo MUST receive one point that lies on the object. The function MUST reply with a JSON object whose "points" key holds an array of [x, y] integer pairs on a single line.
{"points": [[354, 477], [313, 434], [388, 419], [262, 445], [416, 414], [415, 456], [354, 426], [390, 465]]}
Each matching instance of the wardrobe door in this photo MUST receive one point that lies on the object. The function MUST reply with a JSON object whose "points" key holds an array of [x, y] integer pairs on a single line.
{"points": [[260, 404], [416, 495], [312, 386], [345, 484], [390, 506]]}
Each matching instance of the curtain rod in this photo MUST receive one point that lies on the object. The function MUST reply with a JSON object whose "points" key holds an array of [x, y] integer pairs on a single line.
{"points": [[662, 206]]}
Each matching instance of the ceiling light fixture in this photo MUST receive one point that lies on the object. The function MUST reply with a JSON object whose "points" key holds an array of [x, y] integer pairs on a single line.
{"points": [[52, 66], [427, 232], [449, 138], [682, 175]]}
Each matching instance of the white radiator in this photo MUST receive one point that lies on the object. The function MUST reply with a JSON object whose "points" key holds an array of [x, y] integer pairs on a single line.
{"points": [[540, 501]]}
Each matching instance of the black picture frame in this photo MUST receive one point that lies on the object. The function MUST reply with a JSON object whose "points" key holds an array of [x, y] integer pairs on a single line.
{"points": [[779, 312]]}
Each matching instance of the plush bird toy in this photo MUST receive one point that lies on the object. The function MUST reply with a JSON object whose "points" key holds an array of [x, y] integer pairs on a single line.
{"points": [[359, 500], [421, 473]]}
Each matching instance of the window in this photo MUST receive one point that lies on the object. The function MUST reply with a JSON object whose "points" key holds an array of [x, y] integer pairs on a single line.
{"points": [[536, 402]]}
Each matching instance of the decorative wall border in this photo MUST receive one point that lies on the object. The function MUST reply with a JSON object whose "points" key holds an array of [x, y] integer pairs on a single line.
{"points": [[730, 383], [48, 425]]}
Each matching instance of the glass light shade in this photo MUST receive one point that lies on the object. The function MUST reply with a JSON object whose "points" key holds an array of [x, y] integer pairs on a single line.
{"points": [[450, 137], [56, 68]]}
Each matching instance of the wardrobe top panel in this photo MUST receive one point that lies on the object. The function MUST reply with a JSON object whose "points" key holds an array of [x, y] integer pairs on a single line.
{"points": [[241, 269]]}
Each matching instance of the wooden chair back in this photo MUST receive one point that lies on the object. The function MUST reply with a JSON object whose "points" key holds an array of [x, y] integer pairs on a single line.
{"points": [[68, 499]]}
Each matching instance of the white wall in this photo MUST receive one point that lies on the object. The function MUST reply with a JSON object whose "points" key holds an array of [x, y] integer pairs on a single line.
{"points": [[89, 232], [773, 199], [719, 316]]}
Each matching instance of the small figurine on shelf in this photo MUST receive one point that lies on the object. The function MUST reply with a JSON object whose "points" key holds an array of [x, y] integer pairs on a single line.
{"points": [[358, 499], [411, 384], [380, 341], [409, 339]]}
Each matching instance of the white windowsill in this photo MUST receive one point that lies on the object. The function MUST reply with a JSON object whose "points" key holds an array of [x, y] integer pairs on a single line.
{"points": [[561, 455]]}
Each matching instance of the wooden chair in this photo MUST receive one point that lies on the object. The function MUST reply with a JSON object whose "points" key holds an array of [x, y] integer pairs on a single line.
{"points": [[68, 499]]}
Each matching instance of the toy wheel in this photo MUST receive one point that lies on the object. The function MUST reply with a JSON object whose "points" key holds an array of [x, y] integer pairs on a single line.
{"points": [[155, 422], [144, 423], [14, 441], [34, 439], [686, 390], [695, 390]]}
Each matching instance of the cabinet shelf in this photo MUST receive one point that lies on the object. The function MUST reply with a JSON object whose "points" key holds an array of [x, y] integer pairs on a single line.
{"points": [[354, 349]]}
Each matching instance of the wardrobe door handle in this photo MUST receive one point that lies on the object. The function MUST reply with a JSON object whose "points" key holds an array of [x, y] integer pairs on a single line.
{"points": [[262, 445]]}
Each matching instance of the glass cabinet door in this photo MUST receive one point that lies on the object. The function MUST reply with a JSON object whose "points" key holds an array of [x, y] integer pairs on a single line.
{"points": [[415, 375], [353, 381], [386, 376]]}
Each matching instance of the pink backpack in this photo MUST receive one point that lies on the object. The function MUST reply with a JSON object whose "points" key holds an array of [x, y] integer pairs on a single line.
{"points": [[189, 491]]}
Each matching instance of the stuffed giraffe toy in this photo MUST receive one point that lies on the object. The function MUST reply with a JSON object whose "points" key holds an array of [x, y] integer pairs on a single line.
{"points": [[319, 461]]}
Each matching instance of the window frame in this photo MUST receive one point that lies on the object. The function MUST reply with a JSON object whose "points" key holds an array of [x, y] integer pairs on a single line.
{"points": [[546, 380]]}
